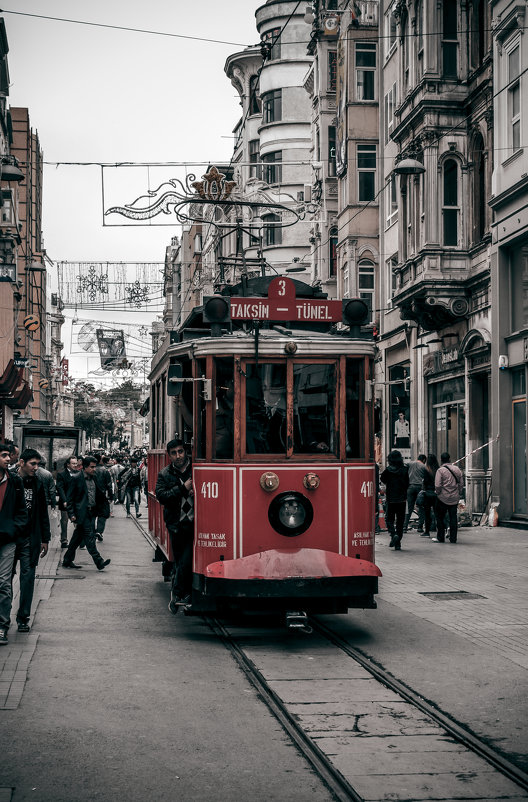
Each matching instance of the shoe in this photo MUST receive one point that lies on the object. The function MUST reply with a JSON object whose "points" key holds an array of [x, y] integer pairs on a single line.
{"points": [[101, 566], [3, 637], [138, 515], [397, 547], [393, 541], [70, 564], [111, 515], [23, 626], [64, 545], [452, 540], [425, 534], [128, 515], [420, 531], [99, 537], [435, 540]]}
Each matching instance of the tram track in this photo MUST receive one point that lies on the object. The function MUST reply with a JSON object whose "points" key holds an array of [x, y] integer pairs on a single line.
{"points": [[323, 764]]}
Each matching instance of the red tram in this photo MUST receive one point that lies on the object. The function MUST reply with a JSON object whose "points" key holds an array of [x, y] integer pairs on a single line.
{"points": [[275, 398]]}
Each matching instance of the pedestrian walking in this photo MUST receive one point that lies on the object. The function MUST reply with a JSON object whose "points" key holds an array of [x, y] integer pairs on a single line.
{"points": [[115, 470], [13, 523], [64, 479], [86, 500], [427, 508], [46, 477], [416, 470], [395, 477], [130, 480], [448, 485], [103, 473], [174, 491], [37, 534]]}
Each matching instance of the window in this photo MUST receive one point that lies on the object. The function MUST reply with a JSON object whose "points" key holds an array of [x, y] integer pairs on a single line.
{"points": [[7, 212], [272, 106], [272, 38], [450, 209], [331, 150], [479, 190], [449, 38], [365, 71], [366, 165], [332, 70], [272, 167], [255, 105], [419, 38], [272, 229], [392, 277], [406, 49], [519, 284], [366, 284], [389, 107], [391, 30], [391, 196], [332, 245], [255, 169], [514, 99]]}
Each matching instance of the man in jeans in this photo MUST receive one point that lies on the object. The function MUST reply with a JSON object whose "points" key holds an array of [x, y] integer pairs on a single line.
{"points": [[13, 522], [37, 534], [448, 484], [131, 483], [416, 475]]}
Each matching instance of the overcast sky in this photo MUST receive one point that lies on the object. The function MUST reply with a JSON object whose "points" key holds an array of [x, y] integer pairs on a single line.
{"points": [[105, 95]]}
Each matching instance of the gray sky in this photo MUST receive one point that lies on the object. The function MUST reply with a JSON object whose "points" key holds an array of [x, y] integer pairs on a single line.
{"points": [[105, 95]]}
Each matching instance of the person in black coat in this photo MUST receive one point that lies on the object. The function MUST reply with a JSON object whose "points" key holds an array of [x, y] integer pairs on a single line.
{"points": [[86, 501], [174, 491], [395, 477], [13, 523], [63, 482], [37, 533]]}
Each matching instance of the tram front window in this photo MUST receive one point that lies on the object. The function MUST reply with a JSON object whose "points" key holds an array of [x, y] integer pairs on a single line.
{"points": [[314, 408], [266, 408], [313, 412]]}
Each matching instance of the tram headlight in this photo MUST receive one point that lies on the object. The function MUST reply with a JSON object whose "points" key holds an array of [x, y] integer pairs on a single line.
{"points": [[290, 514]]}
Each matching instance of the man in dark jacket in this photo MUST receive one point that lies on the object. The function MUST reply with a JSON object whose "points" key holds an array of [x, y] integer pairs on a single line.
{"points": [[395, 477], [37, 533], [174, 491], [13, 522], [64, 479], [86, 501]]}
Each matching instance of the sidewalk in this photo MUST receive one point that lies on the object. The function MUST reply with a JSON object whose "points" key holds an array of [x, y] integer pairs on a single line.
{"points": [[487, 570]]}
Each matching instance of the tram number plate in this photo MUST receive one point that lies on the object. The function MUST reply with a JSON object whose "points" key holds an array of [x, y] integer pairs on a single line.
{"points": [[367, 489], [209, 489]]}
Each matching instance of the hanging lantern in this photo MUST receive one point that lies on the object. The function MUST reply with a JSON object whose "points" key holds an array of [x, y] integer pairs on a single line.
{"points": [[31, 322]]}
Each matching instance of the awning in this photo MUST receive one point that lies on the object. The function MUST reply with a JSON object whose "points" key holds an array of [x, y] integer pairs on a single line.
{"points": [[9, 379]]}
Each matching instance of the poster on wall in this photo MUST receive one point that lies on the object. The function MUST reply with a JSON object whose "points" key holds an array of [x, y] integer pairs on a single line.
{"points": [[400, 424]]}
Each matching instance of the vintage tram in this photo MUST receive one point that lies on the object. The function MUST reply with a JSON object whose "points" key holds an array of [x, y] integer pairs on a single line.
{"points": [[270, 383]]}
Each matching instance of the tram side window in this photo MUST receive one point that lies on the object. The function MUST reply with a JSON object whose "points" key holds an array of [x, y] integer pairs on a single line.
{"points": [[224, 418], [314, 408], [353, 429], [266, 408]]}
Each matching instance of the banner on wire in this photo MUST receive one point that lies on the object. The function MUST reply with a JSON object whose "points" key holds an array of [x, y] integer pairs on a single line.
{"points": [[112, 349]]}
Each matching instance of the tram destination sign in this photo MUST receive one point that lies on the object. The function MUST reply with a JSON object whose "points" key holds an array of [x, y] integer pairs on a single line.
{"points": [[282, 304]]}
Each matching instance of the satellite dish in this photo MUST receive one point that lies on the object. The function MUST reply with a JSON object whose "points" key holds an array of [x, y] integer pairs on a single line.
{"points": [[87, 337]]}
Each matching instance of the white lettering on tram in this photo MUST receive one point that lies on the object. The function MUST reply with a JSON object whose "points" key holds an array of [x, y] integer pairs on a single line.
{"points": [[307, 311], [214, 540], [251, 310]]}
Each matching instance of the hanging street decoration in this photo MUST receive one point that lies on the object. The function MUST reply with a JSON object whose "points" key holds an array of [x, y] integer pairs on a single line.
{"points": [[137, 295], [185, 200], [92, 284], [109, 285], [112, 348]]}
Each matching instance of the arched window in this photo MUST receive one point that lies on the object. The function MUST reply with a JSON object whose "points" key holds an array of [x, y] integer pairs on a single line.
{"points": [[479, 190], [405, 48], [366, 284], [450, 201], [420, 38]]}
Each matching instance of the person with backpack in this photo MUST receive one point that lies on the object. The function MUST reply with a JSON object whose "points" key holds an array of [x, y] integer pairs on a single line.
{"points": [[448, 485]]}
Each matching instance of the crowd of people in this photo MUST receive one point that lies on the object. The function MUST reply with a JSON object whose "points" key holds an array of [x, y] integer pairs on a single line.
{"points": [[434, 490], [82, 493]]}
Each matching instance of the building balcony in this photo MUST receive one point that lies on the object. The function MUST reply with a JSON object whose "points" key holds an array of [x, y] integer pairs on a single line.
{"points": [[433, 299]]}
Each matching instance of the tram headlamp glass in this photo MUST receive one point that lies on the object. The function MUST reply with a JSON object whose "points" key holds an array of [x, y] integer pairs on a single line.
{"points": [[290, 514]]}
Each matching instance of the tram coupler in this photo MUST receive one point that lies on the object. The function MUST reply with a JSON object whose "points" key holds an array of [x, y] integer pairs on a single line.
{"points": [[298, 620]]}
